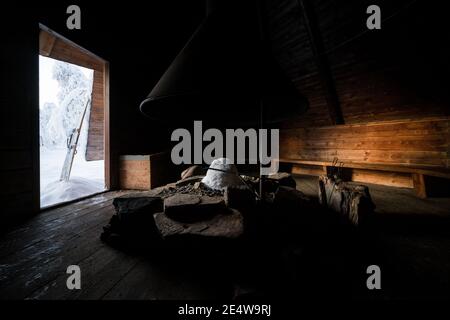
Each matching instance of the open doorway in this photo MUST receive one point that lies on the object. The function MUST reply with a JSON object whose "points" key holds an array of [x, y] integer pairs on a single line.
{"points": [[72, 121]]}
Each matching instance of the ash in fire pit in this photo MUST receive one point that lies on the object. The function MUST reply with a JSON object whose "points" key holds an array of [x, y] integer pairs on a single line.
{"points": [[222, 173]]}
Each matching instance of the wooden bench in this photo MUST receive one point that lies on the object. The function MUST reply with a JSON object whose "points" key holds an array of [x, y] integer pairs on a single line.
{"points": [[419, 174]]}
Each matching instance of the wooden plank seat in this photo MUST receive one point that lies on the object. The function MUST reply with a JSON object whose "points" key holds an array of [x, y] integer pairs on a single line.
{"points": [[419, 174]]}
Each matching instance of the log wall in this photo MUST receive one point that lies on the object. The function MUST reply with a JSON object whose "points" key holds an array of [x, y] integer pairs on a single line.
{"points": [[391, 85], [19, 148], [418, 143]]}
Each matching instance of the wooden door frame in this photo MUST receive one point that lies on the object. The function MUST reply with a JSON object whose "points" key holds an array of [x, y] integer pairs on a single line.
{"points": [[44, 30]]}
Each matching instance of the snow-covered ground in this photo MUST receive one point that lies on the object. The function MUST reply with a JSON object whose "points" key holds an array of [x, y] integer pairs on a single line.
{"points": [[87, 177], [64, 89]]}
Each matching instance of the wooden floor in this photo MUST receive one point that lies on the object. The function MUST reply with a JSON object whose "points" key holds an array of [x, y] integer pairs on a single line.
{"points": [[34, 256]]}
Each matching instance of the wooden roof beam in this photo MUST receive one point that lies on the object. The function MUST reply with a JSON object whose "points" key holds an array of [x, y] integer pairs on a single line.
{"points": [[326, 77]]}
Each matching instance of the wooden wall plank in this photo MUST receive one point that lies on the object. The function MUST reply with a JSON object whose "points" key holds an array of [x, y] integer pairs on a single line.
{"points": [[96, 138], [308, 170], [412, 142], [392, 179]]}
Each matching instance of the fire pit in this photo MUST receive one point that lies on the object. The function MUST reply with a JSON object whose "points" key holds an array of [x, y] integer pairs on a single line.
{"points": [[214, 205]]}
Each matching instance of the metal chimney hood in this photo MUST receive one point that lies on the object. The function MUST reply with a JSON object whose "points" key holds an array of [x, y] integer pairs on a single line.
{"points": [[224, 74]]}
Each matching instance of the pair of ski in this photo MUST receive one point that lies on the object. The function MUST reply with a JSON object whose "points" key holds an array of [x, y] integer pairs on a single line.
{"points": [[72, 143]]}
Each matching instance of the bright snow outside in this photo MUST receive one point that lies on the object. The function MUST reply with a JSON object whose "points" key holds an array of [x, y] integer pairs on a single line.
{"points": [[64, 89]]}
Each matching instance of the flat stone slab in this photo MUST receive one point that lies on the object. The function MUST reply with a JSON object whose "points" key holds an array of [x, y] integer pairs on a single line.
{"points": [[190, 208], [133, 205], [284, 179], [229, 225], [181, 201], [133, 219]]}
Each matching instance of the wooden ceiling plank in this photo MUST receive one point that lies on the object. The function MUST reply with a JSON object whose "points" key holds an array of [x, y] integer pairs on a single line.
{"points": [[46, 43], [322, 63]]}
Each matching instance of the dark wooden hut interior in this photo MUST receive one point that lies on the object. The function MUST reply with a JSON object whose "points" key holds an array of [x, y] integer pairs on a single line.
{"points": [[377, 114]]}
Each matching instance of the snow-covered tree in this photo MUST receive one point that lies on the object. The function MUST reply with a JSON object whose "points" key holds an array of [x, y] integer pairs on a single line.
{"points": [[45, 116], [74, 91], [75, 88], [69, 77], [57, 121]]}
